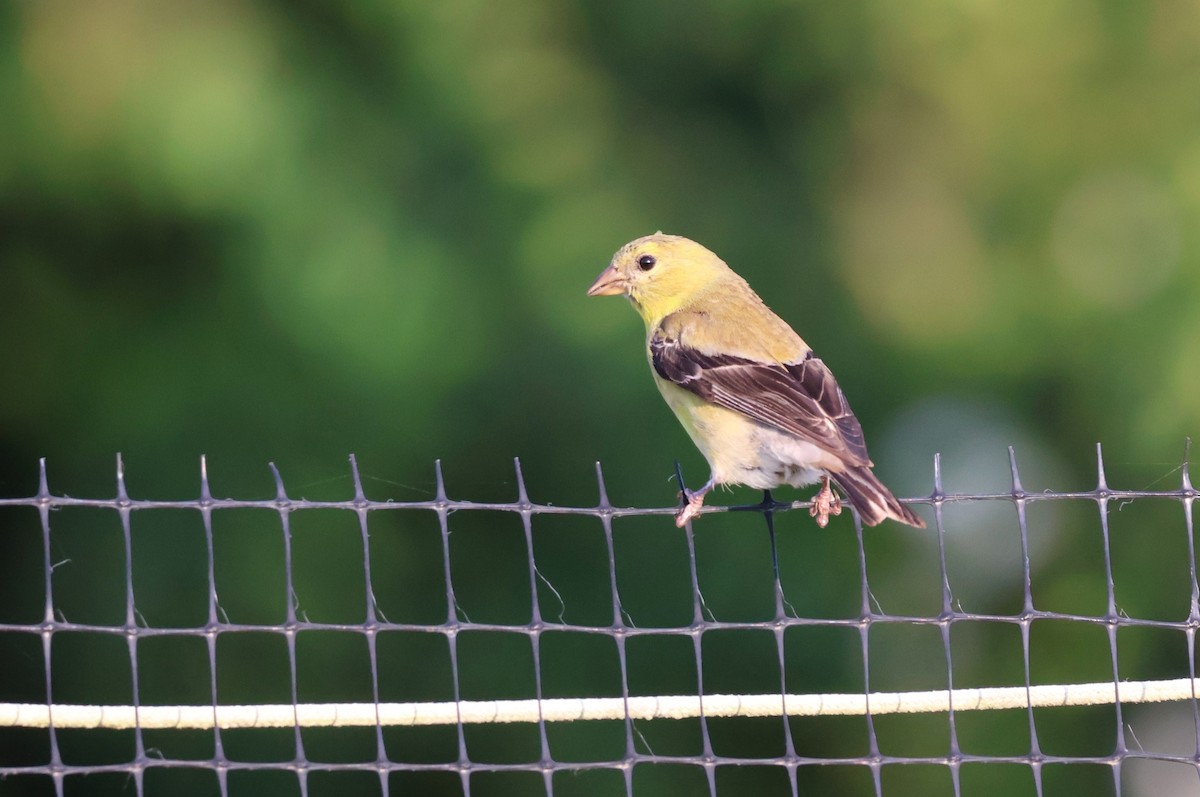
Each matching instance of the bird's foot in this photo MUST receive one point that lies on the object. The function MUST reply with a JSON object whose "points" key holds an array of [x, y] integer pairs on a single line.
{"points": [[690, 509], [824, 504], [693, 500]]}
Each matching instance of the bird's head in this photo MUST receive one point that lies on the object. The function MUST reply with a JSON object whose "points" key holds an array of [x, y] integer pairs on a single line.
{"points": [[660, 274]]}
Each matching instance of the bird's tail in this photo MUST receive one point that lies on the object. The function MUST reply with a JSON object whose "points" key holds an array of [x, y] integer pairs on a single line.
{"points": [[874, 502]]}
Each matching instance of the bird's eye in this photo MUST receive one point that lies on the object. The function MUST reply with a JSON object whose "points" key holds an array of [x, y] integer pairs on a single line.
{"points": [[646, 262]]}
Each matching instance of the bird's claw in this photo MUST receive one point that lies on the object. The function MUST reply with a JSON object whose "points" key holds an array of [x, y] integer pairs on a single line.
{"points": [[824, 504], [690, 509]]}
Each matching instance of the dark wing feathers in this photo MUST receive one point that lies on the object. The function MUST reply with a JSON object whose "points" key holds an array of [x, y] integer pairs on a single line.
{"points": [[802, 399], [816, 380]]}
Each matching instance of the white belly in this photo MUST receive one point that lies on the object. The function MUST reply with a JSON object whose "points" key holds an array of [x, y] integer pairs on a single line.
{"points": [[784, 459]]}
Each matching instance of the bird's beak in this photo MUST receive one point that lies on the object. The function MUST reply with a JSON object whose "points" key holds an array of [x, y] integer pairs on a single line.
{"points": [[609, 283]]}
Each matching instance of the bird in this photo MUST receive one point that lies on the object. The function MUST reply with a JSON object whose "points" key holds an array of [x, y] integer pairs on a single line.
{"points": [[762, 408]]}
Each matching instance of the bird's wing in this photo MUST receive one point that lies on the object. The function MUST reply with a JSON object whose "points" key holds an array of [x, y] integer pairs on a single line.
{"points": [[802, 398]]}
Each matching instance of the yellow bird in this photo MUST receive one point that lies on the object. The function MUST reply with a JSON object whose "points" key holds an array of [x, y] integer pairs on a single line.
{"points": [[758, 404]]}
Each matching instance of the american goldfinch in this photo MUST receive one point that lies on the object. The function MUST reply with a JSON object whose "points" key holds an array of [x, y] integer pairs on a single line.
{"points": [[760, 406]]}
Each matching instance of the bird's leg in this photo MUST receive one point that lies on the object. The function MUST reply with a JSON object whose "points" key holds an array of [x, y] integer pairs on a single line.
{"points": [[825, 503], [695, 500]]}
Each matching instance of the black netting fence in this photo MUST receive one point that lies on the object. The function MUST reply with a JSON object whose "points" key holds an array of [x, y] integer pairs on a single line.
{"points": [[1027, 642]]}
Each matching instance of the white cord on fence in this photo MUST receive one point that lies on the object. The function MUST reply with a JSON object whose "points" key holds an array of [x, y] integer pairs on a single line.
{"points": [[308, 715]]}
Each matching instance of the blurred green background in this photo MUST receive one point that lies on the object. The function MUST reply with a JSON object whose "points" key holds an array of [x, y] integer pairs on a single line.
{"points": [[290, 231]]}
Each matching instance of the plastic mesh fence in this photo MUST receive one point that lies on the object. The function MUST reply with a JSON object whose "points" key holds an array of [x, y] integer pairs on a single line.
{"points": [[452, 647]]}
